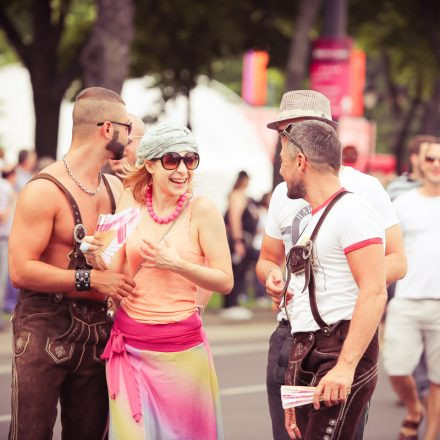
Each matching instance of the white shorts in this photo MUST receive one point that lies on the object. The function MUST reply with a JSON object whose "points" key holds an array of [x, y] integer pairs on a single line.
{"points": [[411, 327]]}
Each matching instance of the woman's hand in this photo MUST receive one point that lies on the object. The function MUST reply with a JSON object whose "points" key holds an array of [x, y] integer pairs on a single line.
{"points": [[160, 256]]}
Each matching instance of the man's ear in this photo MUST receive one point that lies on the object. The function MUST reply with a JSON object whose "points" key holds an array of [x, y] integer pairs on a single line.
{"points": [[107, 130], [301, 161]]}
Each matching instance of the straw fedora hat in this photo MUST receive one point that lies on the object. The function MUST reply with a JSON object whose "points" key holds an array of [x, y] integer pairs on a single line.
{"points": [[300, 104]]}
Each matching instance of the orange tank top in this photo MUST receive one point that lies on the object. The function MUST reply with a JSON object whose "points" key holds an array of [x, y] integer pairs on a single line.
{"points": [[165, 296]]}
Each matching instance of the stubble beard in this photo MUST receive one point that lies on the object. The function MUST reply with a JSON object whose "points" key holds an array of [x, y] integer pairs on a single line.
{"points": [[116, 147], [296, 190]]}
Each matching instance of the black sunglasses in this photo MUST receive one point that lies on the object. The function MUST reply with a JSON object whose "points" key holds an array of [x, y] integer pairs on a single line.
{"points": [[286, 133], [129, 125], [171, 161]]}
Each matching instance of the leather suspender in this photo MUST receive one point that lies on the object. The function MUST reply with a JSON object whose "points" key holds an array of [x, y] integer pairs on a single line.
{"points": [[77, 260], [308, 270]]}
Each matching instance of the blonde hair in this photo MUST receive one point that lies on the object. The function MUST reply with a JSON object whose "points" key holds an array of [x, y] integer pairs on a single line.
{"points": [[138, 179]]}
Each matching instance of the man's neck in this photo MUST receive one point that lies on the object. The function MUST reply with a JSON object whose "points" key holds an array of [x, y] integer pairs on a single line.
{"points": [[85, 161], [430, 189], [321, 188]]}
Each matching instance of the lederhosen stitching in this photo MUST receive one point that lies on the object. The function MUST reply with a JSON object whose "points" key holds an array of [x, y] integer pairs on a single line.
{"points": [[366, 381], [49, 342], [25, 345], [95, 329], [83, 350]]}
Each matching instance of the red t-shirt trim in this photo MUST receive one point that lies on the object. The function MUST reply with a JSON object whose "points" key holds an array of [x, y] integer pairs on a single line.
{"points": [[314, 211], [362, 244]]}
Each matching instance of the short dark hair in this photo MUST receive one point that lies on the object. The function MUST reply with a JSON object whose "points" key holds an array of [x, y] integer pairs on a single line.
{"points": [[416, 141], [99, 94], [22, 156], [319, 142]]}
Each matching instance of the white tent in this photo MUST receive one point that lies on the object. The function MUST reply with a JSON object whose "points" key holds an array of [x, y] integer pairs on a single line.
{"points": [[230, 137]]}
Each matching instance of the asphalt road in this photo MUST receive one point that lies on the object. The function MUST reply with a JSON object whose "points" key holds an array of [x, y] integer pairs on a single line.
{"points": [[240, 357]]}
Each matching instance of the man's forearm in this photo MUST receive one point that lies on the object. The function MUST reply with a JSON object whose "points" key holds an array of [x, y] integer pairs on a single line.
{"points": [[43, 277], [366, 317], [395, 267]]}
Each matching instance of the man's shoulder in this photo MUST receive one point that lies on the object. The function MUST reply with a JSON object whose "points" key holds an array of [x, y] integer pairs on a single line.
{"points": [[358, 182]]}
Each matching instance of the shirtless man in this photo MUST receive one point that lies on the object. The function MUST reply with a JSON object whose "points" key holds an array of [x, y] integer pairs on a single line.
{"points": [[60, 324]]}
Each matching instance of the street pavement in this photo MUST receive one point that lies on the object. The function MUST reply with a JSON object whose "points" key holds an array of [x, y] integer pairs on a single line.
{"points": [[239, 350]]}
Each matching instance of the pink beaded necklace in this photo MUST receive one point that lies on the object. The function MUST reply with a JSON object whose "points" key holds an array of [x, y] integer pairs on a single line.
{"points": [[171, 217]]}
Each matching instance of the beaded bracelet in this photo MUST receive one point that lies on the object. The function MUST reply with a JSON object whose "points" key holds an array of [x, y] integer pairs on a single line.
{"points": [[82, 279]]}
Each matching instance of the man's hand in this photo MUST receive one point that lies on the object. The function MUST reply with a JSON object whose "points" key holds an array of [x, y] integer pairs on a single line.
{"points": [[275, 286], [113, 284], [290, 424], [334, 387]]}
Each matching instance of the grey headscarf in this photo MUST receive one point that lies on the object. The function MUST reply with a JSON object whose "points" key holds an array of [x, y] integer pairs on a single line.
{"points": [[164, 138]]}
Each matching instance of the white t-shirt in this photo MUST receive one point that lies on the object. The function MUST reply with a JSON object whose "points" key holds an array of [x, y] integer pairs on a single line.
{"points": [[420, 221], [350, 225], [287, 218]]}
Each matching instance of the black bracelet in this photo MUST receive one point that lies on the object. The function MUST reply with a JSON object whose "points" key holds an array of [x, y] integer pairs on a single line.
{"points": [[82, 279]]}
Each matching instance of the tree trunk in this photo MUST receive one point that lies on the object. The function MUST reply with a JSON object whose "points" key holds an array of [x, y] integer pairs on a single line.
{"points": [[431, 118], [105, 59], [297, 61], [47, 113], [402, 134]]}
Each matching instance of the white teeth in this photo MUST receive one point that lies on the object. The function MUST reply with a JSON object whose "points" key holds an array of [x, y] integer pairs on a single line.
{"points": [[178, 181]]}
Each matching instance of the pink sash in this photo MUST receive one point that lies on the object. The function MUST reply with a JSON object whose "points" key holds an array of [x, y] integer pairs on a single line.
{"points": [[173, 337]]}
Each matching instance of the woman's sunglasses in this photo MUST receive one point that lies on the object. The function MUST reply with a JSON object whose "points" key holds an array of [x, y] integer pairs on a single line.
{"points": [[171, 161]]}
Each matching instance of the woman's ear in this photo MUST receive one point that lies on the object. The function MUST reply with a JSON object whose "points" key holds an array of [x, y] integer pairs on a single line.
{"points": [[149, 166]]}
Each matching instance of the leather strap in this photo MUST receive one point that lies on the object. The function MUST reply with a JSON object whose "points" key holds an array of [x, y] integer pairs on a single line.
{"points": [[311, 282], [77, 259], [308, 271]]}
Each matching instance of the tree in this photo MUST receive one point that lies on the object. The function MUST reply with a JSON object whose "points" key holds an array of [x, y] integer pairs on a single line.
{"points": [[403, 67], [297, 61], [177, 40], [105, 59], [50, 37]]}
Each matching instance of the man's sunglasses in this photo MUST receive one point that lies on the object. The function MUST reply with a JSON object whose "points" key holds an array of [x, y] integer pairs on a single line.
{"points": [[431, 159], [286, 132], [129, 125], [171, 161]]}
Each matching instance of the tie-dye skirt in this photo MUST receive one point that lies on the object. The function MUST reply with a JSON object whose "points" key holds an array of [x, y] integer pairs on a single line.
{"points": [[179, 397]]}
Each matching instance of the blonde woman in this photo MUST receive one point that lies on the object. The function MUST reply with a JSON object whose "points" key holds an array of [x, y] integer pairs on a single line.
{"points": [[160, 373]]}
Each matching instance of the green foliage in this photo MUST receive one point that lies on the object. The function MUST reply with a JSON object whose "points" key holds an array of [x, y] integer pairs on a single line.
{"points": [[79, 21], [7, 55], [179, 40]]}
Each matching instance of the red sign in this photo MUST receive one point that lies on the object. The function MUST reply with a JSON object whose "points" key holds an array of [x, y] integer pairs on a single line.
{"points": [[330, 72]]}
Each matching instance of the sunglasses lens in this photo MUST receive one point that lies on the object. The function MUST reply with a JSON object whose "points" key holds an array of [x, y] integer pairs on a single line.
{"points": [[170, 161], [191, 160]]}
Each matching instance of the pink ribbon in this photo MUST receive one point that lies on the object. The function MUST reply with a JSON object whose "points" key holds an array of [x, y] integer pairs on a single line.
{"points": [[117, 358]]}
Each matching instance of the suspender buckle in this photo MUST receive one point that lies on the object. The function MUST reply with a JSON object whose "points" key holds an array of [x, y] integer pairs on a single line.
{"points": [[79, 232]]}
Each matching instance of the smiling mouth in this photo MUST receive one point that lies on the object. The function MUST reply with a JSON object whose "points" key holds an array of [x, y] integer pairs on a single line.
{"points": [[179, 181]]}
